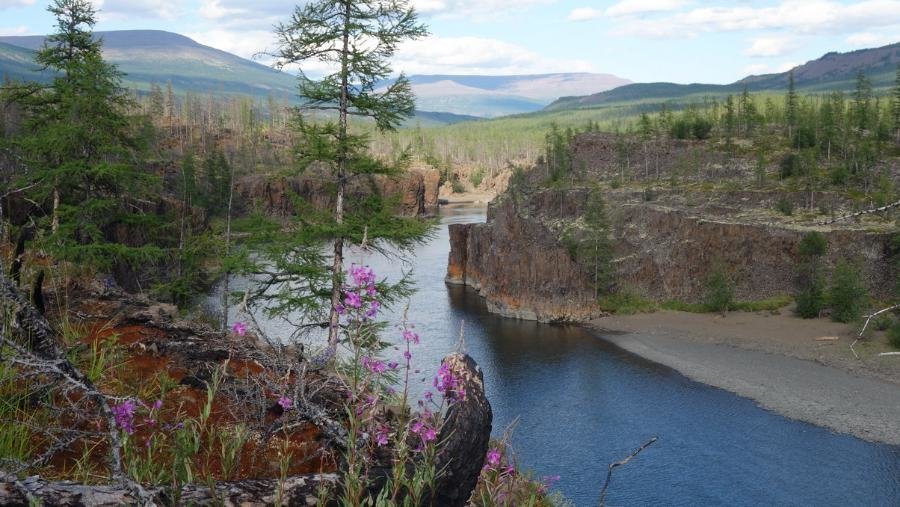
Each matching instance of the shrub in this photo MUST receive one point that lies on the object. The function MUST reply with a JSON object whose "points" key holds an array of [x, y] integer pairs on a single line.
{"points": [[719, 293], [458, 187], [893, 334], [626, 302], [477, 177], [810, 293], [847, 296], [789, 165], [785, 206], [813, 244]]}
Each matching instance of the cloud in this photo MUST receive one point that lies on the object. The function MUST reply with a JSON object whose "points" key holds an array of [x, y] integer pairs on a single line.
{"points": [[6, 4], [633, 7], [128, 9], [871, 40], [477, 55], [13, 30], [771, 46], [584, 14], [479, 9], [798, 16]]}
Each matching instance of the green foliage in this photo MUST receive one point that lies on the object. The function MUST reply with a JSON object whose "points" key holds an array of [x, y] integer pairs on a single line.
{"points": [[457, 186], [847, 295], [589, 244], [718, 293], [785, 206], [81, 150], [893, 334], [556, 152], [810, 284], [477, 177], [626, 302]]}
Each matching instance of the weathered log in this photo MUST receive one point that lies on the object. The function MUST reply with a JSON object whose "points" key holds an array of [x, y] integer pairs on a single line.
{"points": [[860, 213], [465, 435], [300, 490]]}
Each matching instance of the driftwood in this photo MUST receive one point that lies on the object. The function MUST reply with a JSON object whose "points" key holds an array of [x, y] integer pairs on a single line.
{"points": [[299, 490], [613, 466], [860, 213], [866, 325]]}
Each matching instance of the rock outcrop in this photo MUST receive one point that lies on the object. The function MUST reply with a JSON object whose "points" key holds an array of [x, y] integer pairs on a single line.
{"points": [[666, 242], [415, 191]]}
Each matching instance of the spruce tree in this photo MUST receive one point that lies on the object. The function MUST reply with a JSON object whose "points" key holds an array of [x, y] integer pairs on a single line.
{"points": [[895, 107], [357, 38], [791, 106], [79, 150]]}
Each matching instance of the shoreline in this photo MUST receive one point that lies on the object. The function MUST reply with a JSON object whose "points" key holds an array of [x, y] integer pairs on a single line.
{"points": [[780, 362]]}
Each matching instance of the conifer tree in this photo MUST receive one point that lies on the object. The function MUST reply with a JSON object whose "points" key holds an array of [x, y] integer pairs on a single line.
{"points": [[790, 106], [357, 38], [79, 150], [895, 107]]}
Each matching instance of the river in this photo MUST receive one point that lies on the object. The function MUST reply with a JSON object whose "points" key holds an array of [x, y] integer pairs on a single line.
{"points": [[580, 403]]}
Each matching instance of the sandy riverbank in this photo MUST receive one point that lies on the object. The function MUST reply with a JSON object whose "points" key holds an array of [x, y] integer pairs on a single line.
{"points": [[783, 363]]}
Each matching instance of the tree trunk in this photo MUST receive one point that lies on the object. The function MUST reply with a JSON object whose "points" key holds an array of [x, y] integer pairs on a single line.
{"points": [[337, 274]]}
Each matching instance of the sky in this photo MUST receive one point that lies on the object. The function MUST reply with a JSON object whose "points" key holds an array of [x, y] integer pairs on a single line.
{"points": [[680, 41]]}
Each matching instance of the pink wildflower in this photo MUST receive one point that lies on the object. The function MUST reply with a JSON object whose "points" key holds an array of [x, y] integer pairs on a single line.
{"points": [[239, 328], [285, 403], [493, 458], [411, 336]]}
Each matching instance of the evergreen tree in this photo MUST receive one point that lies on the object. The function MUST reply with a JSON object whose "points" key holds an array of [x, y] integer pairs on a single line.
{"points": [[810, 292], [790, 106], [747, 112], [730, 121], [78, 146], [358, 39], [895, 107], [862, 103], [157, 101]]}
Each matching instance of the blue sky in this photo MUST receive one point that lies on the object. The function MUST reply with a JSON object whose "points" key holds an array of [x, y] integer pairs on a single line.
{"points": [[642, 40]]}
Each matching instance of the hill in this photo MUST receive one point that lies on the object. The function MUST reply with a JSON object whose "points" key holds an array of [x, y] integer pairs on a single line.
{"points": [[154, 56], [492, 96], [833, 71]]}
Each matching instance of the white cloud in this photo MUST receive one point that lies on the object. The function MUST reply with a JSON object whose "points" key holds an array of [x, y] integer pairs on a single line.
{"points": [[474, 8], [871, 40], [5, 4], [476, 55], [798, 16], [633, 7], [771, 46], [13, 30], [584, 14], [128, 9]]}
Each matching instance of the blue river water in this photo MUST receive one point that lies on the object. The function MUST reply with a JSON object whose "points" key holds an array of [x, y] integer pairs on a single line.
{"points": [[580, 403]]}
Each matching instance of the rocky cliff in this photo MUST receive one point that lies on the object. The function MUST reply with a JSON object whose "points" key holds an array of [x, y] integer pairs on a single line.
{"points": [[665, 242], [416, 191]]}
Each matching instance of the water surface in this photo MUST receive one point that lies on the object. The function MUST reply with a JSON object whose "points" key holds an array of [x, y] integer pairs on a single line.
{"points": [[582, 403]]}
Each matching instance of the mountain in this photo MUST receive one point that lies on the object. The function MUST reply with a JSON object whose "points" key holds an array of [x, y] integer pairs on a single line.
{"points": [[491, 96], [834, 71], [154, 56]]}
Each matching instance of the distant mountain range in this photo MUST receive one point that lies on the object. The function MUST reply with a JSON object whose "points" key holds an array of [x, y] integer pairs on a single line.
{"points": [[834, 71], [155, 56], [491, 96]]}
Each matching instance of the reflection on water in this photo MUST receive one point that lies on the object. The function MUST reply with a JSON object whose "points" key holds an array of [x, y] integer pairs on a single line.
{"points": [[582, 403]]}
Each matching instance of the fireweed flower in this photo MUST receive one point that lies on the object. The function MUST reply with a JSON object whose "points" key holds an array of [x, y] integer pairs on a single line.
{"points": [[493, 458], [382, 435], [352, 300], [124, 415], [374, 365], [362, 276], [374, 306], [410, 336], [285, 403], [448, 385], [239, 328]]}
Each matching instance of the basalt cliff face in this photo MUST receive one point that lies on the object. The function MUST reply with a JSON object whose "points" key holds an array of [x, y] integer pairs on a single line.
{"points": [[415, 191], [665, 242]]}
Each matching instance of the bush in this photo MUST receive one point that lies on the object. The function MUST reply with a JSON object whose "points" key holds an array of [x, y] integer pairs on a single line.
{"points": [[789, 165], [719, 294], [813, 244], [893, 334], [458, 187], [810, 293], [785, 206], [847, 296], [477, 177], [625, 302]]}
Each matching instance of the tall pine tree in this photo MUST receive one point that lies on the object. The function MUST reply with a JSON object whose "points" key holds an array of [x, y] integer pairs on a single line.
{"points": [[356, 38]]}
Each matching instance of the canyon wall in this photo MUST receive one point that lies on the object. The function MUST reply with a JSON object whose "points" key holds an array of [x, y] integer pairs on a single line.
{"points": [[665, 246], [416, 190]]}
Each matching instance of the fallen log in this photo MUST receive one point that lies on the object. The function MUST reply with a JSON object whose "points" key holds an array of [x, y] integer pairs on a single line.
{"points": [[860, 213], [299, 490]]}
